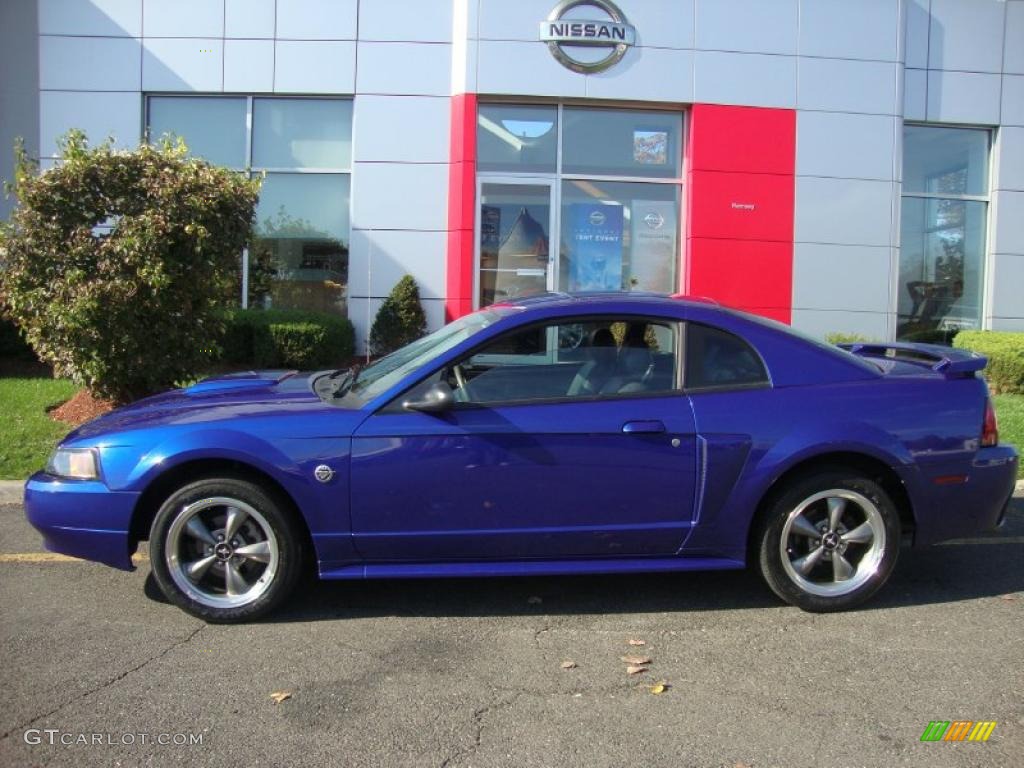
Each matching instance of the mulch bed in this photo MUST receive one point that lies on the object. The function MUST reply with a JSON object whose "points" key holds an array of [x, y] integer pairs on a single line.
{"points": [[80, 409]]}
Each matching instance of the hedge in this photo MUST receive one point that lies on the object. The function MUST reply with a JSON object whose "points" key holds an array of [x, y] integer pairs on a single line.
{"points": [[1005, 353], [270, 338]]}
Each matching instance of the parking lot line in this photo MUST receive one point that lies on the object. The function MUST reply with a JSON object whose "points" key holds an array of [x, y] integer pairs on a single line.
{"points": [[53, 557]]}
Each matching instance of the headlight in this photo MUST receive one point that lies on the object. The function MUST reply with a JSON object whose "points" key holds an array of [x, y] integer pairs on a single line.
{"points": [[79, 463]]}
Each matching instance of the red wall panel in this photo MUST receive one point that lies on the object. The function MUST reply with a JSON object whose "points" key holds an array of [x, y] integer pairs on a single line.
{"points": [[748, 206], [766, 267], [461, 206]]}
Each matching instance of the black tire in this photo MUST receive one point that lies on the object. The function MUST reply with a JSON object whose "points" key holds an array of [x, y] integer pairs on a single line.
{"points": [[828, 585], [266, 530]]}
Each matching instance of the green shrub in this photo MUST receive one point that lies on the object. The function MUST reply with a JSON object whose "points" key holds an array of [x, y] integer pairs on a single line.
{"points": [[400, 319], [1005, 353], [290, 338], [840, 337], [116, 263]]}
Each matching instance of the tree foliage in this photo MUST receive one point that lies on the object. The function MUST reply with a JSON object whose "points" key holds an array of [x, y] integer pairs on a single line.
{"points": [[115, 263], [400, 319]]}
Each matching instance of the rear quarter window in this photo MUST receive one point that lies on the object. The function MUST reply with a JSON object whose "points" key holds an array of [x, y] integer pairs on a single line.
{"points": [[719, 359]]}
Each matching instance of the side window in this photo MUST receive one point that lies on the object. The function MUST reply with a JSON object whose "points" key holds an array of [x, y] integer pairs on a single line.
{"points": [[716, 358], [601, 357]]}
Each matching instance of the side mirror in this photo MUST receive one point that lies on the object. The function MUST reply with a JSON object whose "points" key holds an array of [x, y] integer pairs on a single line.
{"points": [[437, 399]]}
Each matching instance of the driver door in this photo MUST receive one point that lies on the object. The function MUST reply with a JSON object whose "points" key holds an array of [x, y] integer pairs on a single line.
{"points": [[567, 439]]}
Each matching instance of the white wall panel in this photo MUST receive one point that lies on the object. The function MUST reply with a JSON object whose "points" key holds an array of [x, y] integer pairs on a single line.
{"points": [[1015, 324], [1008, 236], [848, 86], [751, 26], [865, 29], [249, 66], [249, 18], [311, 66], [843, 211], [744, 78], [518, 20], [380, 258], [425, 21], [405, 68], [108, 18], [402, 129], [1007, 285], [965, 35], [89, 64], [963, 97], [400, 196], [846, 145], [98, 114], [524, 68], [851, 277], [316, 19], [655, 74], [1013, 53], [1010, 172], [182, 64], [1013, 100], [660, 23], [820, 323], [182, 18], [915, 94], [915, 41]]}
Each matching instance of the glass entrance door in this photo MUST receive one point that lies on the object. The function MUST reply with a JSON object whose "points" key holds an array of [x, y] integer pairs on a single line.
{"points": [[515, 250]]}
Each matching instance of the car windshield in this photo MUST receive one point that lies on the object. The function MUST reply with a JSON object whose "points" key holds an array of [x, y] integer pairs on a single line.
{"points": [[383, 374]]}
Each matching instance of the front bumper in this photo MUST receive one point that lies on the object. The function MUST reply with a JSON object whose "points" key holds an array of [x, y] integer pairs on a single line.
{"points": [[81, 518]]}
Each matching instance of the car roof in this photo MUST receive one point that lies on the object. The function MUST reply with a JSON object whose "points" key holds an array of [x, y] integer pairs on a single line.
{"points": [[575, 299]]}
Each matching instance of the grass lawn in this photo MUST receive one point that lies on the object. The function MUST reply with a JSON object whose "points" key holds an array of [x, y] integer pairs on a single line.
{"points": [[27, 434]]}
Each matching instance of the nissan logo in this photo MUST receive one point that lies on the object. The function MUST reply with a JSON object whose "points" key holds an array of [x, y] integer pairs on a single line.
{"points": [[613, 32], [654, 220]]}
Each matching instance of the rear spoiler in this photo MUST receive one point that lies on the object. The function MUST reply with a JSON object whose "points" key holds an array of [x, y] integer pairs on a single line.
{"points": [[954, 363]]}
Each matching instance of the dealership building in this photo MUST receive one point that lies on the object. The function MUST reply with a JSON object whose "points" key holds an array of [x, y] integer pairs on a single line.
{"points": [[841, 166]]}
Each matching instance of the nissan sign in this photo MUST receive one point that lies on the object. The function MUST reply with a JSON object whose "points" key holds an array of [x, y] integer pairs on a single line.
{"points": [[562, 31]]}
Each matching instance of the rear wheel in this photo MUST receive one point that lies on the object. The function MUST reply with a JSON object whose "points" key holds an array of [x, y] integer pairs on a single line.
{"points": [[830, 541], [224, 550]]}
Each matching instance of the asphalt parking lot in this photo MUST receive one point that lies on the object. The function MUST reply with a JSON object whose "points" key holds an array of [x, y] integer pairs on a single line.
{"points": [[469, 673]]}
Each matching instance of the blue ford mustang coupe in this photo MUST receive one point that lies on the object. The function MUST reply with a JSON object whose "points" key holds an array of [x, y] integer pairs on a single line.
{"points": [[562, 434]]}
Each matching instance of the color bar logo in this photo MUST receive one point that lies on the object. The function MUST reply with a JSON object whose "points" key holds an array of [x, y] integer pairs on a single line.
{"points": [[958, 730]]}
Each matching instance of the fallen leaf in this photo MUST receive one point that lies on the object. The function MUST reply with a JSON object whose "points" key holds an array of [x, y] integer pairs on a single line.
{"points": [[633, 669], [660, 687], [743, 765], [637, 642], [568, 664], [1009, 597], [279, 696], [534, 600], [637, 659]]}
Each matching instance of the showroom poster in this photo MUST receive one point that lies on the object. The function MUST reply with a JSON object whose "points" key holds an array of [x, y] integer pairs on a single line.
{"points": [[652, 245], [595, 247]]}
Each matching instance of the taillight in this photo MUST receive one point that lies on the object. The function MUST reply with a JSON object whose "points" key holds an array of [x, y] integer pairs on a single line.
{"points": [[990, 428]]}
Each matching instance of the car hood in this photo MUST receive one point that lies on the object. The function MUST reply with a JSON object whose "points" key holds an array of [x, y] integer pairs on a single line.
{"points": [[233, 396]]}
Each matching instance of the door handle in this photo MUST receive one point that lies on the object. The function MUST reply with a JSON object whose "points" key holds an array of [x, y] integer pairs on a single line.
{"points": [[652, 427]]}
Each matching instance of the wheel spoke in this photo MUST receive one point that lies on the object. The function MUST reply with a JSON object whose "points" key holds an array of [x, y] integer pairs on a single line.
{"points": [[260, 551], [862, 534], [804, 564], [197, 569], [197, 529], [235, 519], [234, 583], [841, 568], [803, 527], [836, 507]]}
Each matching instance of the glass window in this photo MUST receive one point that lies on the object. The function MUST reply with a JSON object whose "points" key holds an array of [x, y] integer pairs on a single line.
{"points": [[716, 358], [942, 232], [618, 236], [619, 142], [301, 133], [514, 224], [602, 357], [213, 128], [517, 138]]}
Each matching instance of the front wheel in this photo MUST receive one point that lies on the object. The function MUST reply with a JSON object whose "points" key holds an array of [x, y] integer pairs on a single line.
{"points": [[224, 550], [829, 542]]}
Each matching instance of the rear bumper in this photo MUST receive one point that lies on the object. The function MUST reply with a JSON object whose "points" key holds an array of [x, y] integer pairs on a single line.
{"points": [[81, 518], [977, 505]]}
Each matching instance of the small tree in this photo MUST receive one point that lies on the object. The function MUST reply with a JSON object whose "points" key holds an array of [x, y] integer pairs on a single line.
{"points": [[400, 319], [115, 263]]}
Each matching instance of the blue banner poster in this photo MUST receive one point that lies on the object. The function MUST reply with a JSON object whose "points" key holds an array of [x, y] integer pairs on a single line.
{"points": [[595, 247]]}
